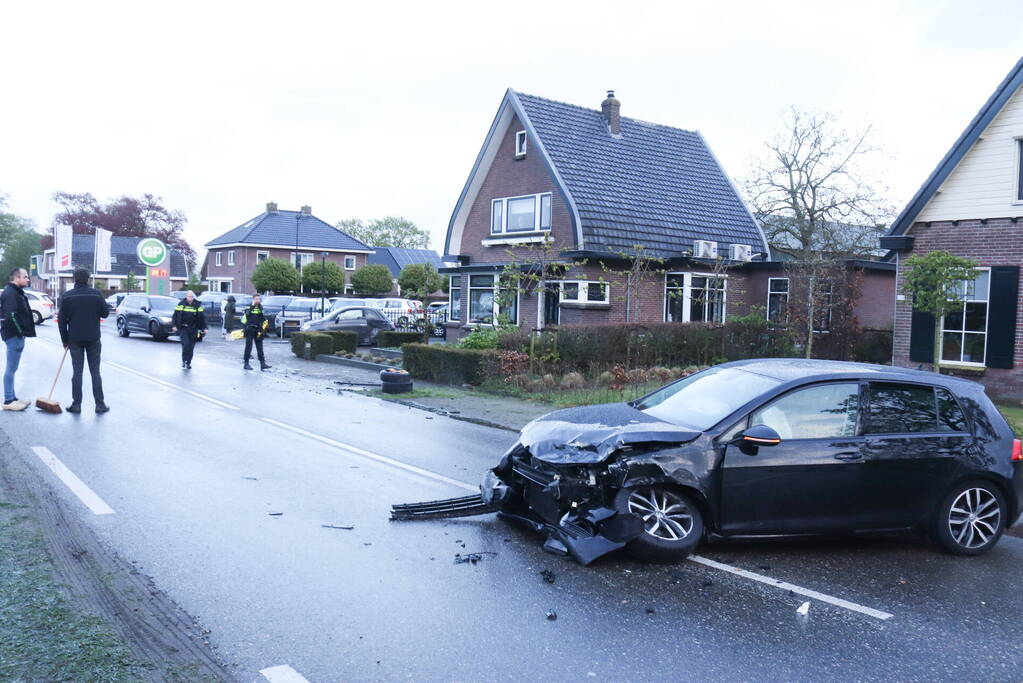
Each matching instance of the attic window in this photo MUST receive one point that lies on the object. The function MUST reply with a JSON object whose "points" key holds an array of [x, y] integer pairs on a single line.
{"points": [[528, 213], [1019, 170], [520, 144]]}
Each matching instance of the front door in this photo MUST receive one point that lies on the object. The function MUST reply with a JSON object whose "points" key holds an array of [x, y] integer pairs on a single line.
{"points": [[810, 482]]}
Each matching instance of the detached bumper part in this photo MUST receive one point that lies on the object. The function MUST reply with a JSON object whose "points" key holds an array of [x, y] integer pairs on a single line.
{"points": [[585, 535]]}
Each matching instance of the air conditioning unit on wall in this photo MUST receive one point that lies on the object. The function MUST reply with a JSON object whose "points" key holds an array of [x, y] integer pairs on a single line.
{"points": [[705, 249], [740, 252]]}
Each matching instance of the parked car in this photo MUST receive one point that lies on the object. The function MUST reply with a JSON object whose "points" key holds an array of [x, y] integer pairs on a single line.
{"points": [[142, 313], [115, 299], [344, 302], [768, 448], [274, 304], [299, 311], [241, 302], [41, 304], [402, 312], [179, 294], [438, 314], [366, 322]]}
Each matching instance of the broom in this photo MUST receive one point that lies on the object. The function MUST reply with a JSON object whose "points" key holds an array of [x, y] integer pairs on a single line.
{"points": [[48, 404]]}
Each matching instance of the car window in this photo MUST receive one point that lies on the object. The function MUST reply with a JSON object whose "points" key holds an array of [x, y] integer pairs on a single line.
{"points": [[374, 314], [163, 304], [704, 399], [350, 314], [823, 411], [950, 415], [902, 408], [134, 302]]}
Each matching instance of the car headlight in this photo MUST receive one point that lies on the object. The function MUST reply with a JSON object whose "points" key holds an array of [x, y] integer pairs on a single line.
{"points": [[165, 320]]}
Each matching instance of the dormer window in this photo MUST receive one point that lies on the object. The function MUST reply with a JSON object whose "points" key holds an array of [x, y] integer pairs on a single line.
{"points": [[530, 213], [520, 144]]}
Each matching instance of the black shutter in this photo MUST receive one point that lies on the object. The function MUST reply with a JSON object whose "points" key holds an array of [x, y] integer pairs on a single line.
{"points": [[1001, 323], [921, 337]]}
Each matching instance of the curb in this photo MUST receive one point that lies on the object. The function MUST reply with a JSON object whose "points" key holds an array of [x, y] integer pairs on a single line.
{"points": [[352, 362]]}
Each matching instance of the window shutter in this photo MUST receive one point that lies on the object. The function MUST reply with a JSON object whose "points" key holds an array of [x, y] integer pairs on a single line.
{"points": [[1001, 324], [921, 337]]}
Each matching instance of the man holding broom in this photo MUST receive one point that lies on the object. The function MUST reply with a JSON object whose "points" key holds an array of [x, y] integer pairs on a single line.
{"points": [[81, 308], [16, 325]]}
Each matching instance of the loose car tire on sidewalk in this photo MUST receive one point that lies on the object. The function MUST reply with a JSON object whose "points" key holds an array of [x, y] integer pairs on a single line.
{"points": [[970, 519], [679, 517], [395, 376]]}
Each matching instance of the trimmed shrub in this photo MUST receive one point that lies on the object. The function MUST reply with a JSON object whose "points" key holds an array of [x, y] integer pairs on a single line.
{"points": [[446, 365], [344, 342], [483, 337], [393, 340], [572, 380], [320, 341]]}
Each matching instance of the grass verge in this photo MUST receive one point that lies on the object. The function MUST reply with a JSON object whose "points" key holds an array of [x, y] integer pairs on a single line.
{"points": [[427, 392], [1014, 414]]}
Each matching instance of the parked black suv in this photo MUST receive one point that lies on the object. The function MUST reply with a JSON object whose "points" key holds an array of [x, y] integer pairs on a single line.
{"points": [[146, 314]]}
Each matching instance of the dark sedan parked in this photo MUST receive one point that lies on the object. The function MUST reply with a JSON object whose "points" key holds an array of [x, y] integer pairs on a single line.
{"points": [[146, 314], [765, 448], [367, 322]]}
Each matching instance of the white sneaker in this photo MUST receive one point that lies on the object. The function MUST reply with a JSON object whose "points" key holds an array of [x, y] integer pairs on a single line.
{"points": [[15, 405]]}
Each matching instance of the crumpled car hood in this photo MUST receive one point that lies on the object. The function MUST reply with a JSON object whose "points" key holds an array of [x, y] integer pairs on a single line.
{"points": [[590, 434]]}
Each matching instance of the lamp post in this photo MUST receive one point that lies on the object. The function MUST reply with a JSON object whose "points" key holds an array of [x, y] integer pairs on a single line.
{"points": [[323, 281]]}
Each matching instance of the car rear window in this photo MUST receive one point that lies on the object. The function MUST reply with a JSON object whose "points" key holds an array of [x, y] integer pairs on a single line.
{"points": [[912, 408]]}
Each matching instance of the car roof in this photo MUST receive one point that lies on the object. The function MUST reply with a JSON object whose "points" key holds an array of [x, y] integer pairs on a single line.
{"points": [[794, 369]]}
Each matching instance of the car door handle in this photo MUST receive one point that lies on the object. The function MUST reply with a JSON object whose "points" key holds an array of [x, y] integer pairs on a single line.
{"points": [[849, 455]]}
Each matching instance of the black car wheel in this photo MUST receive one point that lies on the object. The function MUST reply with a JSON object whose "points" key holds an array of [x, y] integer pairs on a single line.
{"points": [[37, 317], [970, 519], [154, 331], [672, 523], [122, 328]]}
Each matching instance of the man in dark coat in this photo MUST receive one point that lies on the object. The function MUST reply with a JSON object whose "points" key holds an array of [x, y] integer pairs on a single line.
{"points": [[16, 324], [255, 322], [78, 318], [189, 322], [229, 315]]}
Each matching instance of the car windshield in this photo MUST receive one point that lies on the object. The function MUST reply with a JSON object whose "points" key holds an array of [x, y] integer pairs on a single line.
{"points": [[303, 305], [347, 303], [162, 304], [704, 399]]}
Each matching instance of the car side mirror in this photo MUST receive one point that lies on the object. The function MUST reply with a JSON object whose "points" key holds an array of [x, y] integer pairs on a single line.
{"points": [[759, 435]]}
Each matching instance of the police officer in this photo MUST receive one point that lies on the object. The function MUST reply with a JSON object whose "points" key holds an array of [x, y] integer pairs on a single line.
{"points": [[189, 322], [255, 324]]}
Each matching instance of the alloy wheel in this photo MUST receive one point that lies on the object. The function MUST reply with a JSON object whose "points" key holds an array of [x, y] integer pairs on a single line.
{"points": [[665, 514], [974, 518]]}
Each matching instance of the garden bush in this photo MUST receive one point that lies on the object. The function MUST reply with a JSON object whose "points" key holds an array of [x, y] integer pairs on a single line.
{"points": [[484, 337], [447, 365], [344, 342], [393, 340], [321, 343]]}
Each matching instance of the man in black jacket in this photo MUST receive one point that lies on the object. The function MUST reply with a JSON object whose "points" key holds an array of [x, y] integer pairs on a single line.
{"points": [[255, 324], [189, 322], [78, 317], [16, 324]]}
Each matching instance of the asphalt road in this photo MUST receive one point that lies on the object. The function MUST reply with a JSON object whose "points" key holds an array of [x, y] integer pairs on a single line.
{"points": [[225, 510]]}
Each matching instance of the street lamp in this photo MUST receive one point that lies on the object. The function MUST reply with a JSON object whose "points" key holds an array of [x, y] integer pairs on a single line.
{"points": [[323, 281]]}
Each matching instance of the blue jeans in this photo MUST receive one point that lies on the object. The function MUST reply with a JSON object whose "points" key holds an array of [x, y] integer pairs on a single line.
{"points": [[15, 345]]}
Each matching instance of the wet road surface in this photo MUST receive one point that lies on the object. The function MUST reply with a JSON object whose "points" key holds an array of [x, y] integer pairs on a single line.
{"points": [[220, 482]]}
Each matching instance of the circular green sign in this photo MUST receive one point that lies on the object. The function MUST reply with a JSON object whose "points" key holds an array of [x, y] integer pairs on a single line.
{"points": [[152, 251]]}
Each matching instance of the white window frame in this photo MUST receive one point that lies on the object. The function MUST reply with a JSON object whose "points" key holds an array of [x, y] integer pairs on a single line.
{"points": [[263, 253], [496, 289], [520, 144], [230, 257], [217, 255], [349, 267], [537, 214], [1017, 195], [787, 292], [305, 258], [687, 295], [584, 292], [452, 288], [987, 323]]}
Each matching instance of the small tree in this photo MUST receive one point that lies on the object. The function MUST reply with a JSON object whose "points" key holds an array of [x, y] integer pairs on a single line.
{"points": [[326, 276], [275, 275], [372, 279], [934, 282], [130, 282], [193, 284], [420, 280]]}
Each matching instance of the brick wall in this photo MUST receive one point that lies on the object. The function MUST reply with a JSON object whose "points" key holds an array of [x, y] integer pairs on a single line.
{"points": [[245, 261]]}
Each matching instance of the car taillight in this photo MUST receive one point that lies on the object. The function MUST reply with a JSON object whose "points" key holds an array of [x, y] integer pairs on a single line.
{"points": [[1017, 450]]}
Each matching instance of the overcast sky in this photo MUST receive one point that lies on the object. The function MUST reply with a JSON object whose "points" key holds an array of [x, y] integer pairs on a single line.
{"points": [[381, 109]]}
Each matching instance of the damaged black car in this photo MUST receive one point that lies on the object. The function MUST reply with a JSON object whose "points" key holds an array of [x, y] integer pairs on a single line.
{"points": [[760, 448]]}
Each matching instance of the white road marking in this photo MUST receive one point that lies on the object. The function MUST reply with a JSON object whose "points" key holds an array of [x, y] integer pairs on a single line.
{"points": [[372, 456], [171, 385], [77, 486], [282, 674], [838, 602]]}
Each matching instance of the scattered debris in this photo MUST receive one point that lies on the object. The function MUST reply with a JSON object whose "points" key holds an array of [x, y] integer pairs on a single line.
{"points": [[804, 609], [764, 567], [552, 615], [347, 527], [548, 576], [251, 478], [471, 558], [903, 581], [275, 514], [650, 610], [706, 583]]}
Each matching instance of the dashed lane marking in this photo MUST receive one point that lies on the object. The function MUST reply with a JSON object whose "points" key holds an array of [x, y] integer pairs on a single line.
{"points": [[77, 486], [171, 385], [282, 674], [371, 456]]}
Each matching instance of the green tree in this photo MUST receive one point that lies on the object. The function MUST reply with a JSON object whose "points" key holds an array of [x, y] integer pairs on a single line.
{"points": [[18, 250], [327, 277], [391, 231], [275, 275], [418, 281], [372, 279], [935, 284], [131, 283], [193, 284]]}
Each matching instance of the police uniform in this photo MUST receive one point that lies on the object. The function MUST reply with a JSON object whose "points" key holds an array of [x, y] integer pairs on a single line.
{"points": [[190, 320], [255, 323]]}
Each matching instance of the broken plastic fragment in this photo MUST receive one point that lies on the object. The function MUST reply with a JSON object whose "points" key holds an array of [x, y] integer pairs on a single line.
{"points": [[804, 609], [548, 576], [552, 615]]}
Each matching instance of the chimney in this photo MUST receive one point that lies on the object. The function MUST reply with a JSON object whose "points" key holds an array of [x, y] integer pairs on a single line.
{"points": [[271, 207], [611, 109], [307, 210]]}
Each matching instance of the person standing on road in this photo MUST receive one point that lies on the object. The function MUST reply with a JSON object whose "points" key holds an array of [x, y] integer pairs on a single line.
{"points": [[16, 324], [78, 318], [255, 324], [189, 322], [229, 315]]}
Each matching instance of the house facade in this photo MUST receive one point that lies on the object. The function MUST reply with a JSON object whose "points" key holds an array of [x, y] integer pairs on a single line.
{"points": [[298, 237], [972, 206], [124, 263], [580, 199]]}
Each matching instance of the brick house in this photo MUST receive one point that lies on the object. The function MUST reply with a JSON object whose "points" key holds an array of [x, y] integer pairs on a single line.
{"points": [[597, 185], [123, 260], [972, 206], [298, 237], [396, 258]]}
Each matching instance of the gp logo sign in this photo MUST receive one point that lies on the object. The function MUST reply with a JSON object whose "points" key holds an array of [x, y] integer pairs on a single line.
{"points": [[152, 251]]}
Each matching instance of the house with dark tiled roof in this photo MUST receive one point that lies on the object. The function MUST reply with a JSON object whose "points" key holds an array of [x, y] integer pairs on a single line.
{"points": [[124, 260], [597, 188], [396, 258], [298, 237], [971, 205]]}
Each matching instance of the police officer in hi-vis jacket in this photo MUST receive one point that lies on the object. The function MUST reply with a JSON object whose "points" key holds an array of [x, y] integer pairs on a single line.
{"points": [[189, 322], [255, 324]]}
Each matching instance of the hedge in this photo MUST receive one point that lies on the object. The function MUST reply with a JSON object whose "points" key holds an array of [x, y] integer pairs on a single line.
{"points": [[446, 365], [389, 340], [345, 342], [321, 342]]}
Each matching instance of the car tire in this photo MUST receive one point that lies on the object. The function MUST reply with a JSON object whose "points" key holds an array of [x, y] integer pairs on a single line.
{"points": [[679, 517], [970, 519], [122, 328], [154, 332], [395, 376], [37, 317]]}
